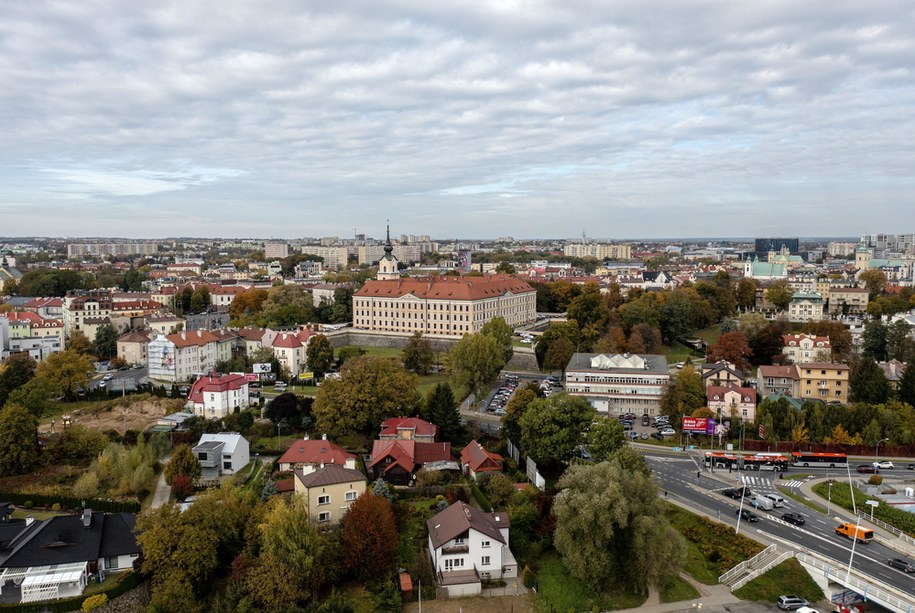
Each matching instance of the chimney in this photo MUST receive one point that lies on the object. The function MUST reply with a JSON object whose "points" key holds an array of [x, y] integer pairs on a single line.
{"points": [[184, 336], [323, 437], [305, 437], [199, 333], [87, 518], [322, 464], [29, 520]]}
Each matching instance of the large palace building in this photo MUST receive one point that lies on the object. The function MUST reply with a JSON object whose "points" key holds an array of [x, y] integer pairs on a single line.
{"points": [[443, 306]]}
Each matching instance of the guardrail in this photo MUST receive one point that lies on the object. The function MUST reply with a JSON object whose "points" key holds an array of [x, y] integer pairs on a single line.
{"points": [[888, 527], [838, 572], [746, 564], [758, 571]]}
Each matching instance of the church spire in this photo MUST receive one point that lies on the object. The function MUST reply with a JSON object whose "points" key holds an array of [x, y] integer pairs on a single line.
{"points": [[388, 248]]}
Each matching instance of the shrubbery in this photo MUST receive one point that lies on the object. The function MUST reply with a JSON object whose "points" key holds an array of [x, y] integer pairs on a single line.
{"points": [[94, 602]]}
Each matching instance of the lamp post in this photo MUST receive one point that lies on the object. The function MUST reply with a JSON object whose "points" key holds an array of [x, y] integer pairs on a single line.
{"points": [[829, 498], [877, 448], [851, 489], [853, 542], [743, 494]]}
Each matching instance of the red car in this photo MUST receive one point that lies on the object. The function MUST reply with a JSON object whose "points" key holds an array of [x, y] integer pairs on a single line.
{"points": [[867, 468]]}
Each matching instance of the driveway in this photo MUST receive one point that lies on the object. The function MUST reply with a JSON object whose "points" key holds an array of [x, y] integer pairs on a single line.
{"points": [[163, 491]]}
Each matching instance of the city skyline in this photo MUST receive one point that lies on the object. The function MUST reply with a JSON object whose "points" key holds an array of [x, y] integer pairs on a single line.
{"points": [[628, 119]]}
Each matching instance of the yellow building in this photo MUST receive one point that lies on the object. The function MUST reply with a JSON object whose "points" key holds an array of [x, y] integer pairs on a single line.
{"points": [[823, 381], [600, 251], [329, 491], [854, 299]]}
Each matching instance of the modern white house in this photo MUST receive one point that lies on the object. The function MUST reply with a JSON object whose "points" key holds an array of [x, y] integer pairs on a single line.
{"points": [[467, 546], [221, 454]]}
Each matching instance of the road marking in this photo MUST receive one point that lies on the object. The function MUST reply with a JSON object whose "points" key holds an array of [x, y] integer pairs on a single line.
{"points": [[795, 483]]}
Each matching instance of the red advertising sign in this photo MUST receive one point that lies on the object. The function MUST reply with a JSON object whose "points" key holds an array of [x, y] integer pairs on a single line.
{"points": [[250, 376], [694, 424]]}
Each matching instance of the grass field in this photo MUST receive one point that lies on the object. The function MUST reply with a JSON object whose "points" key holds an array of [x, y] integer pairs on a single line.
{"points": [[560, 591], [677, 589], [789, 577]]}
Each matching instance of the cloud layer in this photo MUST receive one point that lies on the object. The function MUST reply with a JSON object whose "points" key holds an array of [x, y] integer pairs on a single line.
{"points": [[473, 119]]}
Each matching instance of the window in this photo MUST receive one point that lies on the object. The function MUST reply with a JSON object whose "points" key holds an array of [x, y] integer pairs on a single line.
{"points": [[323, 517], [201, 455], [485, 544], [227, 465], [350, 496], [323, 499], [485, 561], [454, 563]]}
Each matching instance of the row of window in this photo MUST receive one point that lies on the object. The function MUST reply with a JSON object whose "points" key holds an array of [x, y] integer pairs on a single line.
{"points": [[325, 498]]}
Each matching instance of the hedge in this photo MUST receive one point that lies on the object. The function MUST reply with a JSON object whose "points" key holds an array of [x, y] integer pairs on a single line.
{"points": [[480, 496], [70, 502], [129, 581]]}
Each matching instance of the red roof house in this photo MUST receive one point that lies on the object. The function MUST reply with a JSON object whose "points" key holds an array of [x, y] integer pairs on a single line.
{"points": [[397, 460], [475, 459], [310, 455], [408, 429]]}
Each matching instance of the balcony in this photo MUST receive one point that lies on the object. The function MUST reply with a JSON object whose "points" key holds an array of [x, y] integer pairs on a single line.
{"points": [[456, 549]]}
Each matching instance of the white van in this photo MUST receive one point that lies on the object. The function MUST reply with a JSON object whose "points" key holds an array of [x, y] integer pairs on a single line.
{"points": [[777, 500]]}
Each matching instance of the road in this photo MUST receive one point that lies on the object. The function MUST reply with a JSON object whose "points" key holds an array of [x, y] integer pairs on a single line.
{"points": [[677, 475], [121, 379]]}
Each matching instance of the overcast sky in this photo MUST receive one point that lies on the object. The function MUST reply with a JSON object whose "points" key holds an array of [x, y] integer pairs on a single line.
{"points": [[474, 119]]}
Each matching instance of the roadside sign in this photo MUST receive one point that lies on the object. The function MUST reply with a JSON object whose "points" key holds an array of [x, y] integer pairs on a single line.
{"points": [[250, 376], [306, 376], [260, 368]]}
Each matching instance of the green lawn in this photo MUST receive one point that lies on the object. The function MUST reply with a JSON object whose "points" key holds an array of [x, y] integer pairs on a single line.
{"points": [[23, 513], [789, 577], [677, 589], [560, 591]]}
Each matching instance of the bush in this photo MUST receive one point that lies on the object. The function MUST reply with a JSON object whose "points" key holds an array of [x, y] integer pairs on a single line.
{"points": [[527, 577], [875, 480], [55, 507], [94, 602], [481, 497], [182, 487]]}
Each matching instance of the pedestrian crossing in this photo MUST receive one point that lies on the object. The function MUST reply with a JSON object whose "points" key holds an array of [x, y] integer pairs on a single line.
{"points": [[757, 482], [793, 483]]}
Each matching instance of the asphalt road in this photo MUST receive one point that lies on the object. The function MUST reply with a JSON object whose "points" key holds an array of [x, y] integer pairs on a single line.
{"points": [[129, 379], [677, 475]]}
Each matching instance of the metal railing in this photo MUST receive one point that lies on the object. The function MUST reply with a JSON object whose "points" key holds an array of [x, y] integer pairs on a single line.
{"points": [[746, 564], [838, 572], [758, 571], [888, 527]]}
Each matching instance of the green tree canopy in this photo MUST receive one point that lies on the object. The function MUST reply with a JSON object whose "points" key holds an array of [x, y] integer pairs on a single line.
{"points": [[418, 355], [604, 437], [200, 299], [553, 428], [558, 355], [184, 463], [475, 362], [18, 440], [499, 330], [514, 411], [36, 396], [105, 346], [370, 389], [65, 371], [779, 295], [16, 371], [287, 305], [874, 340], [610, 527], [442, 410], [319, 355], [868, 383]]}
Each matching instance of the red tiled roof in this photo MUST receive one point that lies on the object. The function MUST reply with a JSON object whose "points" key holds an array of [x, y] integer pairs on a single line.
{"points": [[451, 288], [794, 340], [421, 427], [408, 454], [215, 384], [252, 334], [287, 340], [284, 486], [194, 337], [720, 391], [37, 303], [314, 452], [479, 459], [134, 337], [32, 319], [789, 372]]}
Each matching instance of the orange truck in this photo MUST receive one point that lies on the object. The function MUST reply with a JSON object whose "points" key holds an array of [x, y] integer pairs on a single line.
{"points": [[859, 533]]}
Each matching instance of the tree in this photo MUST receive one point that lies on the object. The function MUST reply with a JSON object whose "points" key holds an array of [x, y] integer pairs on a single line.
{"points": [[418, 355], [319, 355], [604, 437], [767, 344], [746, 293], [287, 305], [558, 355], [80, 343], [184, 463], [370, 389], [907, 382], [839, 337], [645, 337], [15, 372], [369, 537], [442, 410], [590, 313], [18, 440], [552, 428], [498, 488], [65, 371], [347, 353], [554, 331], [499, 330], [475, 362], [200, 299], [514, 411], [731, 347], [898, 343], [868, 383], [105, 346], [874, 340], [874, 281], [284, 408], [779, 295], [610, 526], [247, 305], [182, 487]]}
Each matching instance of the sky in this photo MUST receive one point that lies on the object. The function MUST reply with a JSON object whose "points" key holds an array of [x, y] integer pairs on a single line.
{"points": [[474, 119]]}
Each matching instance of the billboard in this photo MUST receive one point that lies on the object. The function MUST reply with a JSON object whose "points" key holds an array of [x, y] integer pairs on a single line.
{"points": [[695, 424], [250, 376], [306, 376], [260, 368]]}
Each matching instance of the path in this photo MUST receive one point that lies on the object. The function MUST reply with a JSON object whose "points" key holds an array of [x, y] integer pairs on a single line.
{"points": [[712, 598], [163, 491]]}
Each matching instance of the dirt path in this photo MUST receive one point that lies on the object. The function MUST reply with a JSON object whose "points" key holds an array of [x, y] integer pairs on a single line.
{"points": [[503, 604]]}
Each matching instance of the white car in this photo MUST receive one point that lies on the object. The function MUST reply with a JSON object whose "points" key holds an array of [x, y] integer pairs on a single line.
{"points": [[668, 432], [884, 464]]}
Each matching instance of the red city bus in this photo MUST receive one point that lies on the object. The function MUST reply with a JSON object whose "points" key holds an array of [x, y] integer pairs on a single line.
{"points": [[810, 459]]}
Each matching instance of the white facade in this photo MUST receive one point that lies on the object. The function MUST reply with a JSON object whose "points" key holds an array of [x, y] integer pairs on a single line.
{"points": [[618, 384], [220, 454]]}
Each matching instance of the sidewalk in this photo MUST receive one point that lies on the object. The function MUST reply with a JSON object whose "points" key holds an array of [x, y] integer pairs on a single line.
{"points": [[163, 491], [710, 597]]}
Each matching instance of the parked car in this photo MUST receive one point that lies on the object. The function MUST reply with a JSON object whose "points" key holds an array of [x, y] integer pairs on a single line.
{"points": [[681, 364], [657, 435], [867, 468], [910, 466], [645, 436], [668, 432], [883, 464], [634, 435], [791, 602], [747, 515], [902, 564], [794, 518], [499, 412]]}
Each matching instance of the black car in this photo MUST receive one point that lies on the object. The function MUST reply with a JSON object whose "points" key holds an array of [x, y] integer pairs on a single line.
{"points": [[732, 493], [657, 435], [902, 564], [910, 466], [794, 518], [746, 515]]}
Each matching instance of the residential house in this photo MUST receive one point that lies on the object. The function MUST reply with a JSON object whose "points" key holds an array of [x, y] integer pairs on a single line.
{"points": [[396, 461], [722, 374], [805, 306], [893, 371], [477, 460], [47, 308], [801, 348], [132, 347], [618, 384], [215, 396], [823, 381], [408, 429], [290, 348], [182, 356], [28, 332], [732, 402], [784, 380], [329, 491], [221, 454], [467, 546], [9, 274], [307, 455], [165, 324], [223, 295], [848, 300], [54, 558]]}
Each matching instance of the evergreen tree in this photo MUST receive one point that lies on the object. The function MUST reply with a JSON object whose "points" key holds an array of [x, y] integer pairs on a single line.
{"points": [[874, 340], [868, 383], [106, 342], [443, 412], [16, 372], [18, 439], [184, 463]]}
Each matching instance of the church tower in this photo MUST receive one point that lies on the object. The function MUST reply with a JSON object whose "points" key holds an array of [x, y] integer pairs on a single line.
{"points": [[387, 266]]}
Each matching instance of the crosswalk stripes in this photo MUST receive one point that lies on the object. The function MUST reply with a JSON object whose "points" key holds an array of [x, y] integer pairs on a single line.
{"points": [[756, 481], [793, 483]]}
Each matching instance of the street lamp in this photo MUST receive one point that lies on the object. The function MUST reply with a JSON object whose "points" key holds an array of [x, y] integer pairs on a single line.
{"points": [[877, 447], [852, 556]]}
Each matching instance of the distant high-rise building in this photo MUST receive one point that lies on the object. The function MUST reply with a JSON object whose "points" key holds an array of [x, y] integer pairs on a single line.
{"points": [[890, 243], [840, 250], [765, 245], [76, 250], [600, 251], [275, 249], [334, 257]]}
